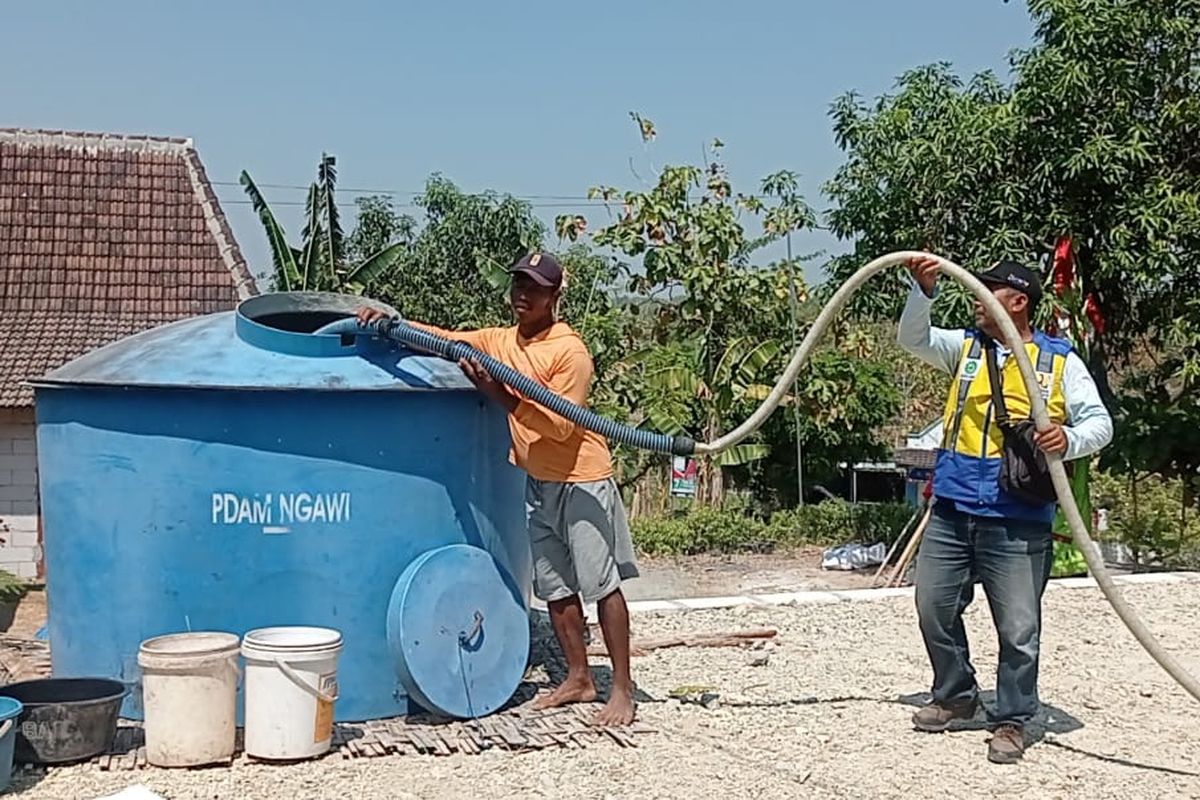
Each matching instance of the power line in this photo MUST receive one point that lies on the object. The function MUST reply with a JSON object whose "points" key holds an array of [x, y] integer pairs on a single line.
{"points": [[275, 203], [401, 193], [561, 201]]}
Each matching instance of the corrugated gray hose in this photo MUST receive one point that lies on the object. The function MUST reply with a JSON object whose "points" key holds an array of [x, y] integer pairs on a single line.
{"points": [[683, 446], [402, 332]]}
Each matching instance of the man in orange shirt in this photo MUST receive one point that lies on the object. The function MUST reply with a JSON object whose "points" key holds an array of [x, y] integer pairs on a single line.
{"points": [[579, 535]]}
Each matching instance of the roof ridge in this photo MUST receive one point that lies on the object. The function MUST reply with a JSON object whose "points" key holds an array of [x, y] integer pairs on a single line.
{"points": [[90, 139], [218, 226]]}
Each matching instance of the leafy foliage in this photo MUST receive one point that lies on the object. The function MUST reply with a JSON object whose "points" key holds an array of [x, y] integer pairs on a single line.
{"points": [[452, 271], [319, 264], [1153, 517], [716, 317], [12, 588], [676, 391], [377, 227], [847, 396], [1097, 138]]}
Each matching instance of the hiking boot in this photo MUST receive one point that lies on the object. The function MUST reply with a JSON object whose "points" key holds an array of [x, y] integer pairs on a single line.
{"points": [[938, 717], [1007, 744]]}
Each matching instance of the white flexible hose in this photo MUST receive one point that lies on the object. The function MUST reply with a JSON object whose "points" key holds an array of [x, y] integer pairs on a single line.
{"points": [[1040, 416]]}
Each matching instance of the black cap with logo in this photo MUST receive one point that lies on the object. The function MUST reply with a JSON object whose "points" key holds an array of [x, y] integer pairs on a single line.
{"points": [[542, 268], [1014, 276]]}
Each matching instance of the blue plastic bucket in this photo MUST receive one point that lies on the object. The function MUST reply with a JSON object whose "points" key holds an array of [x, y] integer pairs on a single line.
{"points": [[10, 709]]}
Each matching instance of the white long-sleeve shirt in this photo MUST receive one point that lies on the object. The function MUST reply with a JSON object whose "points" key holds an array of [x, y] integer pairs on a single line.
{"points": [[1089, 425]]}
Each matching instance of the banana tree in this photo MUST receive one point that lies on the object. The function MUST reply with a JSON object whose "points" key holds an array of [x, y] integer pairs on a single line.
{"points": [[319, 263], [679, 396]]}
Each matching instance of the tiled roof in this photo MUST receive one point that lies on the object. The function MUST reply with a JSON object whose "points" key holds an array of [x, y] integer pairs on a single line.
{"points": [[102, 236], [915, 458]]}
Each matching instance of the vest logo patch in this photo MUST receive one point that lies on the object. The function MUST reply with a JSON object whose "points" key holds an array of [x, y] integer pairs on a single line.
{"points": [[970, 369], [1044, 380]]}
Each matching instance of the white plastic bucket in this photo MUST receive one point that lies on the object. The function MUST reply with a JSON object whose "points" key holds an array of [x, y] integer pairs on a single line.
{"points": [[189, 692], [291, 688]]}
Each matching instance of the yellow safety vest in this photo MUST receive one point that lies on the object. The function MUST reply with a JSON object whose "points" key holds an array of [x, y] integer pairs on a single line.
{"points": [[968, 464]]}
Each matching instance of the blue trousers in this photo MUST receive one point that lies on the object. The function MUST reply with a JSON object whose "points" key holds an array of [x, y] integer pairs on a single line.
{"points": [[1012, 559]]}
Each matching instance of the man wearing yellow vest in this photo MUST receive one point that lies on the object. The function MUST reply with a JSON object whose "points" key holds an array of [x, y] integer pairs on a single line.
{"points": [[980, 531]]}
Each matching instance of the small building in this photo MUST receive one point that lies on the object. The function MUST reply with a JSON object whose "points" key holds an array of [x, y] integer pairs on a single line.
{"points": [[874, 481], [101, 236]]}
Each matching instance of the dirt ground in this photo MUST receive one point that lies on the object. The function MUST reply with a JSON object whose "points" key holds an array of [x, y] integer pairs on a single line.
{"points": [[720, 576], [827, 716]]}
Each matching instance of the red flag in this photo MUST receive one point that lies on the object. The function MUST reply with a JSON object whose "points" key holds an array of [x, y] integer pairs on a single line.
{"points": [[1064, 265]]}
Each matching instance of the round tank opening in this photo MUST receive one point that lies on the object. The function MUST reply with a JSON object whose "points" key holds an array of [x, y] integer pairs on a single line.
{"points": [[283, 321], [299, 321]]}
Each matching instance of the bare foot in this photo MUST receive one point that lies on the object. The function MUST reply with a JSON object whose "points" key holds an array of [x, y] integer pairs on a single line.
{"points": [[572, 690], [618, 712]]}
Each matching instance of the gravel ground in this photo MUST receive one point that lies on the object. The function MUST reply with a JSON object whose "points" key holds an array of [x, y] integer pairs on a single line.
{"points": [[827, 716]]}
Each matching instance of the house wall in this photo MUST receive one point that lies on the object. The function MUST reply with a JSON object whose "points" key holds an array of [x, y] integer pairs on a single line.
{"points": [[21, 551]]}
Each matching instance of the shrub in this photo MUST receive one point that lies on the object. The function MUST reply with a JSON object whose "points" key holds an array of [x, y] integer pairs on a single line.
{"points": [[12, 588], [1148, 515], [837, 522], [703, 530], [732, 529]]}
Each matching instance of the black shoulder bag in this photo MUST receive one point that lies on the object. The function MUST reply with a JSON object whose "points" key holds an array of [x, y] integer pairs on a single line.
{"points": [[1024, 472]]}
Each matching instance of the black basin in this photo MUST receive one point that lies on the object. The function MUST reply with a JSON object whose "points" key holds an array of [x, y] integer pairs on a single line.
{"points": [[65, 719]]}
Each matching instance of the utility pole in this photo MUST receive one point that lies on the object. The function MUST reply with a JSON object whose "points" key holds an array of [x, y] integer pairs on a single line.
{"points": [[792, 301]]}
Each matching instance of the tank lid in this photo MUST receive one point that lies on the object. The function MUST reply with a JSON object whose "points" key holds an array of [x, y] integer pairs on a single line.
{"points": [[265, 344]]}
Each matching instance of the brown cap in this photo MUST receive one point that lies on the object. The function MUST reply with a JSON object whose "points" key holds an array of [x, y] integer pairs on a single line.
{"points": [[542, 268]]}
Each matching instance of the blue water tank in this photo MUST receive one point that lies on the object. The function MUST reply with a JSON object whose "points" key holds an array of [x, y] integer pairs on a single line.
{"points": [[234, 471]]}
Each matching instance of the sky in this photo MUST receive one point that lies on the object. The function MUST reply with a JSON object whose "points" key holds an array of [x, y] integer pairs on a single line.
{"points": [[528, 98]]}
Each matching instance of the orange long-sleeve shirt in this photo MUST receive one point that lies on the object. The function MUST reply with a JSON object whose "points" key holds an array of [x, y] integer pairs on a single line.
{"points": [[547, 446]]}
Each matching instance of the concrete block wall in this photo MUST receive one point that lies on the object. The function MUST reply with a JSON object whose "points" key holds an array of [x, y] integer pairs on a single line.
{"points": [[20, 552]]}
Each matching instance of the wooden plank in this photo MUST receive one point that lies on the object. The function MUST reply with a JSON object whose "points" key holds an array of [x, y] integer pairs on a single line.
{"points": [[639, 647], [400, 739], [414, 736], [509, 733]]}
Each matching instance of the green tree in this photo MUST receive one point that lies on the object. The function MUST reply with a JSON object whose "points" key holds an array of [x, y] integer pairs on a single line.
{"points": [[319, 263], [695, 256], [377, 226], [1095, 139], [845, 401], [450, 271]]}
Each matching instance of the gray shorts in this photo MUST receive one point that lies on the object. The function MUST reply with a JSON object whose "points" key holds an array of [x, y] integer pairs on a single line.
{"points": [[579, 538]]}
